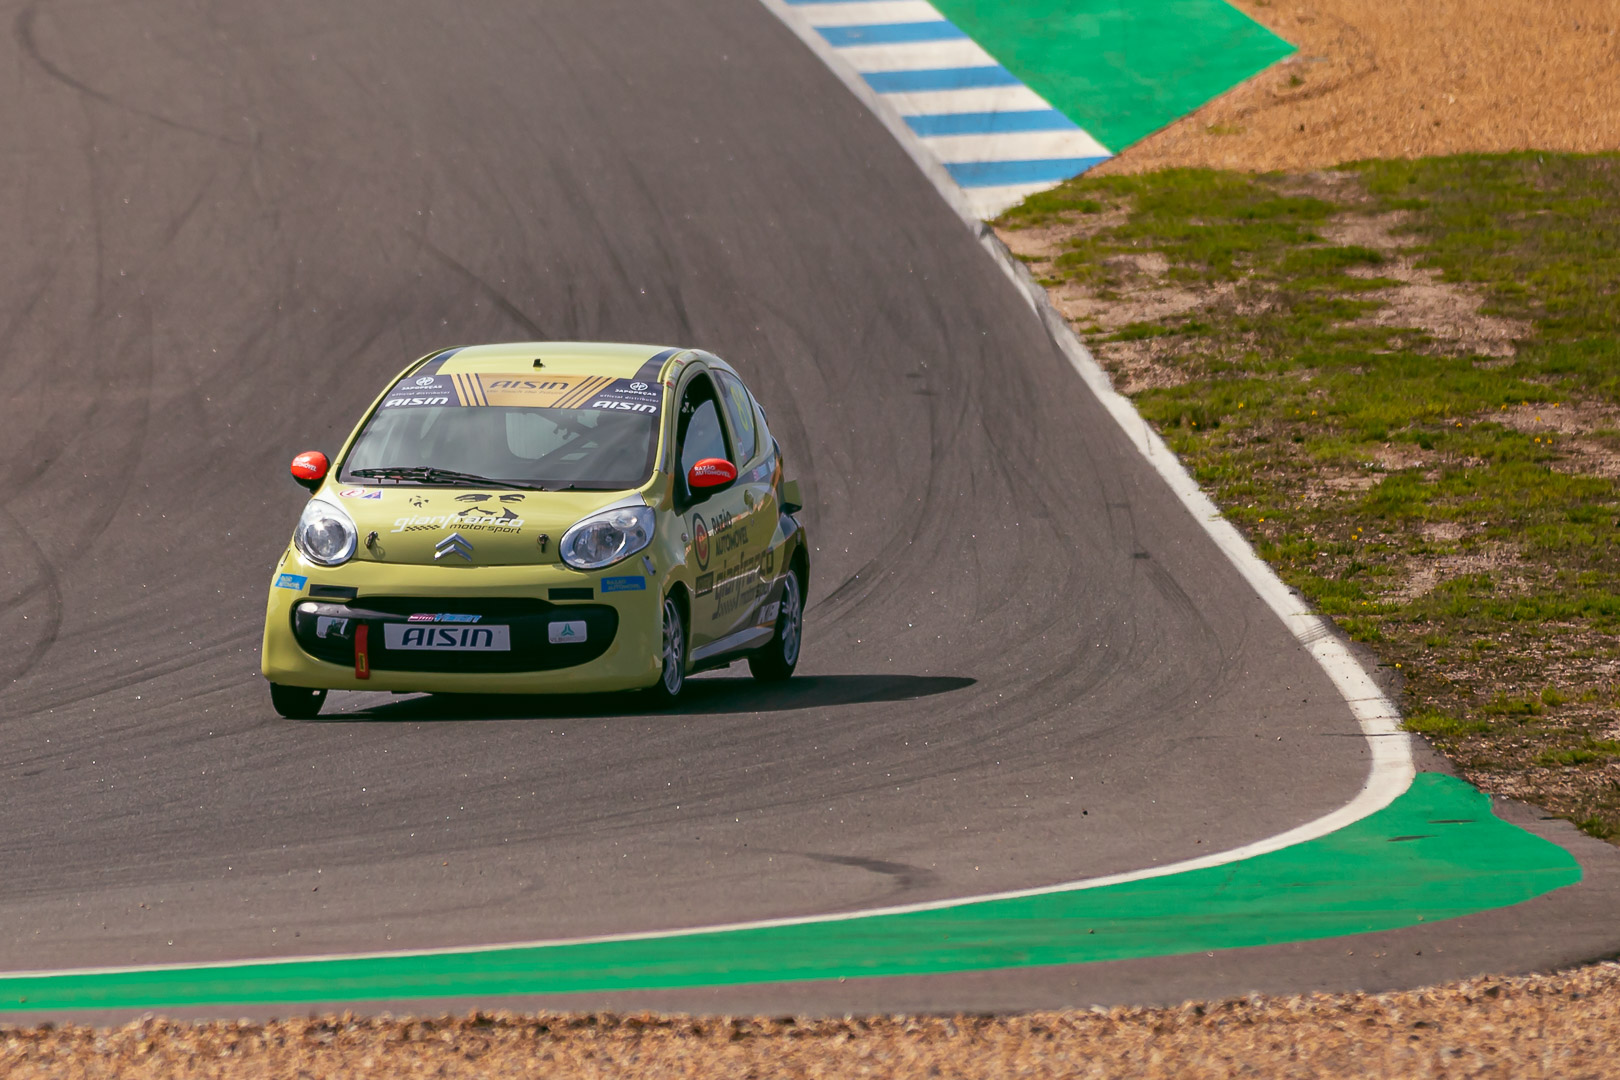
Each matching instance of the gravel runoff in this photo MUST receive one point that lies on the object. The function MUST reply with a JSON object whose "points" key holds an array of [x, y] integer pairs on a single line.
{"points": [[1565, 1026], [1405, 78]]}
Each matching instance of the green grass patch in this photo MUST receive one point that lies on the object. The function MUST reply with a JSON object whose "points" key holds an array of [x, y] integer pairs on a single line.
{"points": [[1405, 476], [1590, 752], [1434, 722]]}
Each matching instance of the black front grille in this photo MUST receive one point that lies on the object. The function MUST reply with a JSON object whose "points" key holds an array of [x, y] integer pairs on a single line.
{"points": [[326, 630]]}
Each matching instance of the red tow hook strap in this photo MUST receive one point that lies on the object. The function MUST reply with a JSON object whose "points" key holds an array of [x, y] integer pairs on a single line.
{"points": [[362, 662]]}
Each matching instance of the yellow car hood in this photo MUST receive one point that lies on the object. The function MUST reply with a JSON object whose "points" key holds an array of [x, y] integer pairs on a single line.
{"points": [[496, 527]]}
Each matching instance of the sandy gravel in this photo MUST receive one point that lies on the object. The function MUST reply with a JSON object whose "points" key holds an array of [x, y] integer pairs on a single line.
{"points": [[1565, 1026], [1406, 78]]}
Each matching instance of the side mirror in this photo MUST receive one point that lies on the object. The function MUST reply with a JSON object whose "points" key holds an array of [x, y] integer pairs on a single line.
{"points": [[309, 468], [711, 475]]}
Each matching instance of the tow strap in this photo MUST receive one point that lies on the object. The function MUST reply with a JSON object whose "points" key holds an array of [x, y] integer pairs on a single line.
{"points": [[362, 661]]}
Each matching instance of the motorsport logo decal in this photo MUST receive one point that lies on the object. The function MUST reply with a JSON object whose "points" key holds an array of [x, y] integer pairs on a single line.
{"points": [[496, 518], [360, 493], [632, 583], [700, 541], [444, 618]]}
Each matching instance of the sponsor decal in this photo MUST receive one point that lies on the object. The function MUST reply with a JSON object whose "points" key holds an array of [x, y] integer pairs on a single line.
{"points": [[632, 583], [443, 618], [554, 392], [447, 638], [704, 584], [728, 535], [768, 613], [566, 633], [291, 581], [360, 493], [424, 390], [407, 402], [629, 395], [418, 500], [738, 593], [327, 626], [700, 541], [706, 469], [625, 406]]}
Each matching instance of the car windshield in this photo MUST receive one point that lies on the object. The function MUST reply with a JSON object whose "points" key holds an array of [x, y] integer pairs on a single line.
{"points": [[520, 446]]}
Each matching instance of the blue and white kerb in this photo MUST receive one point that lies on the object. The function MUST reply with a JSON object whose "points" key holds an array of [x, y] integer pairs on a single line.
{"points": [[998, 139]]}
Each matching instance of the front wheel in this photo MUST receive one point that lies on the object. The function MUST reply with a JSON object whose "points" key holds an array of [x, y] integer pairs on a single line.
{"points": [[776, 661], [296, 702], [672, 677]]}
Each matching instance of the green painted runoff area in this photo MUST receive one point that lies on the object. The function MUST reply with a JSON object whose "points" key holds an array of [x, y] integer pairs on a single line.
{"points": [[1437, 852], [1120, 70]]}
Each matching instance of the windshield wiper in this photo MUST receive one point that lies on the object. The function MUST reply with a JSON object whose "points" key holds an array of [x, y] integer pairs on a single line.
{"points": [[427, 474]]}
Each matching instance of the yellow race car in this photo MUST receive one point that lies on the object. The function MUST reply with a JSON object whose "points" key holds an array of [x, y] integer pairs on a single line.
{"points": [[552, 517]]}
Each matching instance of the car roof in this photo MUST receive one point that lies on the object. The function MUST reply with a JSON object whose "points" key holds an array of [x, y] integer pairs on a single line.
{"points": [[558, 357]]}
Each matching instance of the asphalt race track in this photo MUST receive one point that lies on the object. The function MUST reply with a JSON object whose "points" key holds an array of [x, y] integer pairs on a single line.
{"points": [[227, 223]]}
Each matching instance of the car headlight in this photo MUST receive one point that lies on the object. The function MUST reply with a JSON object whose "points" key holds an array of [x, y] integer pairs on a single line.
{"points": [[325, 534], [604, 538]]}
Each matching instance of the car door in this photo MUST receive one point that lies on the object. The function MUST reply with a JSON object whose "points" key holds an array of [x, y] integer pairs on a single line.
{"points": [[756, 466], [716, 524]]}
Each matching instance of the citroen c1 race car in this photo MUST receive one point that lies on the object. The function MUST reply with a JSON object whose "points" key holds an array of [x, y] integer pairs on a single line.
{"points": [[542, 518]]}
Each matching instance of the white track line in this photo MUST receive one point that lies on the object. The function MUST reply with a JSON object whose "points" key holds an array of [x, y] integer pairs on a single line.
{"points": [[1015, 146], [1389, 774], [912, 55], [878, 11], [987, 202], [986, 99]]}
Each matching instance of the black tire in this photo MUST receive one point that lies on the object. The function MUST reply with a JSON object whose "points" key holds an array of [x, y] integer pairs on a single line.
{"points": [[672, 676], [776, 661], [297, 702]]}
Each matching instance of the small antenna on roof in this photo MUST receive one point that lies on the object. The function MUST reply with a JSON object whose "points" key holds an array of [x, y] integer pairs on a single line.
{"points": [[539, 363]]}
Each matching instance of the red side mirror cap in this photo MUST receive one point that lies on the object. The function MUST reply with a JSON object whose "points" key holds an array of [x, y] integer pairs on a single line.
{"points": [[309, 468], [711, 474]]}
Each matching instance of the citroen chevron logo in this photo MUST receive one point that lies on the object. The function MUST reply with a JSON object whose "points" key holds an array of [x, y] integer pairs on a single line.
{"points": [[454, 544]]}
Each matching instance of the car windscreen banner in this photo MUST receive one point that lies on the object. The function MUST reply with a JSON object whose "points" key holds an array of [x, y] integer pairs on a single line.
{"points": [[527, 391]]}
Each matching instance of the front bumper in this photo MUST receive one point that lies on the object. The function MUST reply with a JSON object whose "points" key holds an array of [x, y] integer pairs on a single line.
{"points": [[314, 617]]}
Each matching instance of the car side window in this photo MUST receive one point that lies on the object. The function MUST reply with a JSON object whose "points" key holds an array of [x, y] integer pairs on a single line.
{"points": [[700, 435], [740, 411]]}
